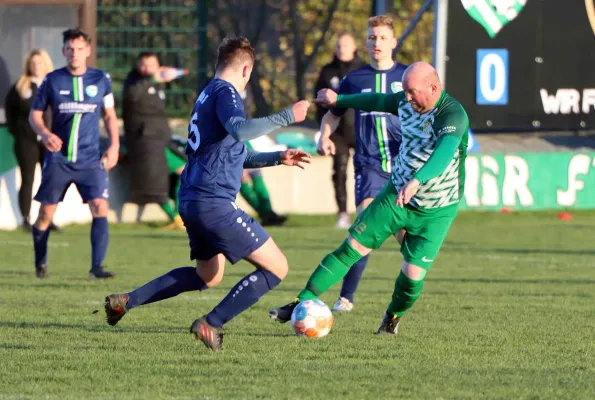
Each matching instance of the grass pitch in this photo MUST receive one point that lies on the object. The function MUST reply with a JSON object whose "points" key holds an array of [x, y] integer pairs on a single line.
{"points": [[508, 311]]}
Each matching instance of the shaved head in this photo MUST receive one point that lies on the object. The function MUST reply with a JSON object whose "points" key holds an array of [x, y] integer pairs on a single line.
{"points": [[422, 86]]}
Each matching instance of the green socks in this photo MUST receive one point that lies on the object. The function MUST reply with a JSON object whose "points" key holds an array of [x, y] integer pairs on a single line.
{"points": [[331, 271], [264, 199], [406, 292], [169, 210], [250, 195]]}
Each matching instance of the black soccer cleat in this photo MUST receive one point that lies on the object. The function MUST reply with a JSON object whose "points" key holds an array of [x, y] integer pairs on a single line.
{"points": [[211, 336], [115, 307], [273, 219], [283, 314], [42, 272], [100, 273], [389, 325]]}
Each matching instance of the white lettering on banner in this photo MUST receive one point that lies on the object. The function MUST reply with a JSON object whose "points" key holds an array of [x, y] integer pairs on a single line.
{"points": [[566, 101], [579, 164], [516, 176], [588, 100], [472, 181], [489, 183]]}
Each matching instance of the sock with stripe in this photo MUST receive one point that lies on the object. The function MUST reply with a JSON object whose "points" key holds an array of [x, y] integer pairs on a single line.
{"points": [[331, 270], [242, 296], [176, 281]]}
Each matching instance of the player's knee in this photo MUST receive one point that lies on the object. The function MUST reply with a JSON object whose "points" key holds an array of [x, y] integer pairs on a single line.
{"points": [[99, 208], [210, 274], [282, 268], [360, 248], [413, 272], [44, 218]]}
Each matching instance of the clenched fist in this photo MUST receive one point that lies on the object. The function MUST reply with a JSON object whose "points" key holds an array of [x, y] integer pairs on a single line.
{"points": [[300, 110], [52, 142], [326, 98]]}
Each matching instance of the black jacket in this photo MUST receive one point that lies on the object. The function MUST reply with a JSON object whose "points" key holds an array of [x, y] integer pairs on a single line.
{"points": [[17, 114], [330, 77], [147, 134]]}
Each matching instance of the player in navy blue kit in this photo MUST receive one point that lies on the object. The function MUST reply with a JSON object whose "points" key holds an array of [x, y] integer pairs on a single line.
{"points": [[378, 135], [216, 227], [76, 94]]}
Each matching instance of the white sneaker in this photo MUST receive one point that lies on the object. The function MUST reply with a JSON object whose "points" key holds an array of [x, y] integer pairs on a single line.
{"points": [[343, 305], [343, 222]]}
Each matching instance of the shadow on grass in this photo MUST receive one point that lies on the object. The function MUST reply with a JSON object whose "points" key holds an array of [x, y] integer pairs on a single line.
{"points": [[93, 328], [15, 346], [519, 281]]}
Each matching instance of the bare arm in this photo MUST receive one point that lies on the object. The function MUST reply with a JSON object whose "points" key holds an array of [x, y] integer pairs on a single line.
{"points": [[37, 123], [328, 125], [51, 141]]}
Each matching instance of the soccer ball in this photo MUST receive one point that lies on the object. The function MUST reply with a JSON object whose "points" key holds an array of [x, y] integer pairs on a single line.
{"points": [[312, 318]]}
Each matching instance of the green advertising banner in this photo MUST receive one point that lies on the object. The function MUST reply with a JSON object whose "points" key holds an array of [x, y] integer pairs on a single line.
{"points": [[530, 181], [7, 159]]}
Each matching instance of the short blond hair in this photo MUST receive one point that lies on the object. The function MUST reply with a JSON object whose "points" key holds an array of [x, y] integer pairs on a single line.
{"points": [[381, 20]]}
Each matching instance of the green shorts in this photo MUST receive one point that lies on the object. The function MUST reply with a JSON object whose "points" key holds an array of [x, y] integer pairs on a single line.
{"points": [[174, 162], [426, 228]]}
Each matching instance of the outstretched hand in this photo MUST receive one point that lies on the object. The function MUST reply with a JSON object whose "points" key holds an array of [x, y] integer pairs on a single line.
{"points": [[296, 158], [326, 98]]}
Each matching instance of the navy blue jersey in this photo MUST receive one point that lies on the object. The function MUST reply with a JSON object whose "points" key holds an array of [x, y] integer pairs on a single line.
{"points": [[215, 158], [378, 135], [76, 103]]}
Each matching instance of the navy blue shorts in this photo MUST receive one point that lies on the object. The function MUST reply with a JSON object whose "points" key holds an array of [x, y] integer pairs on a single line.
{"points": [[368, 183], [220, 227], [91, 182]]}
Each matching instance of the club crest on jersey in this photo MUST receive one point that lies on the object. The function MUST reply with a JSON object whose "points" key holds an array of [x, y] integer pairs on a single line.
{"points": [[396, 87], [428, 127], [335, 82], [91, 90]]}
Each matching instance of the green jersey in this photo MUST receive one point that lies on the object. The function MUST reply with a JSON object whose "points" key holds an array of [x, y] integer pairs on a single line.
{"points": [[421, 135]]}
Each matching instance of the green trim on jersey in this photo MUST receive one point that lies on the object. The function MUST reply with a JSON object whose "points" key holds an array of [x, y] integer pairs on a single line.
{"points": [[77, 91], [379, 126], [75, 88]]}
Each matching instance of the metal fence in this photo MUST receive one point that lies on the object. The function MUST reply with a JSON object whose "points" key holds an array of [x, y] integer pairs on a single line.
{"points": [[170, 28]]}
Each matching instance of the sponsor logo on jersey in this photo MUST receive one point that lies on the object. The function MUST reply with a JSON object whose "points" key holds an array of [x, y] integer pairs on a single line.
{"points": [[80, 108], [447, 129]]}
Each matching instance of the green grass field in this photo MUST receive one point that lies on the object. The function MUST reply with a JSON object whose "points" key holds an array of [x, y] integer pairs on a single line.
{"points": [[508, 311]]}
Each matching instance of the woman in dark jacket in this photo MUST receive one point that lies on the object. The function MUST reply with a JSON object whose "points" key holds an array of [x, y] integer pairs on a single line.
{"points": [[28, 148]]}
